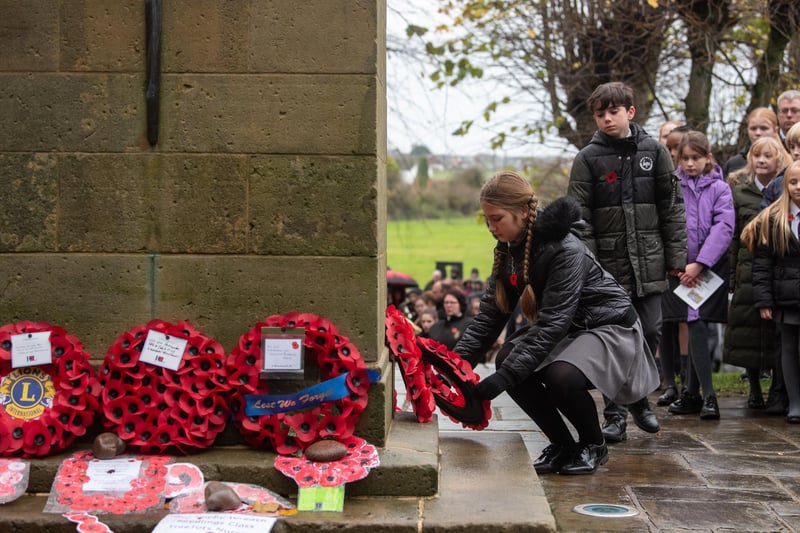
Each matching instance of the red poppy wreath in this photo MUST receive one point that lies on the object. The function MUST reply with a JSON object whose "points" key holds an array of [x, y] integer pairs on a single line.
{"points": [[154, 408], [432, 373], [288, 433], [44, 407]]}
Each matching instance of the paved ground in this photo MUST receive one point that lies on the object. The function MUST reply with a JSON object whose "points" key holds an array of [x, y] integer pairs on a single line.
{"points": [[741, 473]]}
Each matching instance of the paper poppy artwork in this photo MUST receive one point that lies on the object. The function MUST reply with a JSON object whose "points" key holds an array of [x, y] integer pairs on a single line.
{"points": [[435, 376], [255, 499], [13, 479], [87, 523], [358, 460], [155, 408], [291, 431], [83, 483], [44, 407]]}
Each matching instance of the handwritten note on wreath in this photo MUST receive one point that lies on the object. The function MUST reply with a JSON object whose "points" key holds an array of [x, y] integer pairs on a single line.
{"points": [[163, 350]]}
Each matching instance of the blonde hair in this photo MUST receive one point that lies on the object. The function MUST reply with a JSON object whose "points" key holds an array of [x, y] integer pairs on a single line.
{"points": [[757, 230], [764, 113], [747, 174], [793, 135], [510, 191]]}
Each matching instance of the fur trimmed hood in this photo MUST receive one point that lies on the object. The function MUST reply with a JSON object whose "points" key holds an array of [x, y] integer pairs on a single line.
{"points": [[555, 221]]}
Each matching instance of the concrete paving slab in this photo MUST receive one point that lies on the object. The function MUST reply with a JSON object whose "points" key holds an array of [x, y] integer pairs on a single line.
{"points": [[488, 485], [722, 515]]}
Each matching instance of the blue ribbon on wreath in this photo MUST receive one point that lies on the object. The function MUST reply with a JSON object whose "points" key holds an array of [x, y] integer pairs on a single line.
{"points": [[326, 391]]}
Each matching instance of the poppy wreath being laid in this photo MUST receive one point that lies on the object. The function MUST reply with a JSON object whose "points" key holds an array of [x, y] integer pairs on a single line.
{"points": [[403, 344], [434, 374], [44, 408], [291, 432], [153, 408]]}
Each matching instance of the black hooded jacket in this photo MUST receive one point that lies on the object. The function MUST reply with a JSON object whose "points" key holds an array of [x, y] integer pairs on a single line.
{"points": [[572, 290]]}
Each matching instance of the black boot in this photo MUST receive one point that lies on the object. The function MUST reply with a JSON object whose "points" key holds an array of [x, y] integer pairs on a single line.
{"points": [[553, 457], [687, 404], [587, 459], [615, 429], [669, 396], [643, 416]]}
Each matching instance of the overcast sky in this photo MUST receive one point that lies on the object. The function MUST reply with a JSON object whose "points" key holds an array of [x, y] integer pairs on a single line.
{"points": [[418, 113]]}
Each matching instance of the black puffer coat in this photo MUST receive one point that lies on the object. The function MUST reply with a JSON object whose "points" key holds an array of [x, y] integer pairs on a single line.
{"points": [[633, 206], [572, 291], [776, 281], [749, 339]]}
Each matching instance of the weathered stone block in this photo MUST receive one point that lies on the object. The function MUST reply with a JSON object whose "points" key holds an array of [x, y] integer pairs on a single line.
{"points": [[313, 206], [29, 35], [205, 36], [316, 36], [285, 114], [95, 297], [200, 203], [102, 36], [73, 112], [224, 296], [104, 204], [28, 216]]}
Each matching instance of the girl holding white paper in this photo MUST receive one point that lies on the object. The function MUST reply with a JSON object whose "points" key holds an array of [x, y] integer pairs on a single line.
{"points": [[772, 238], [710, 219]]}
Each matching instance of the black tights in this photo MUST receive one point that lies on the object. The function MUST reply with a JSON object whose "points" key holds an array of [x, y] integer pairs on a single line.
{"points": [[560, 389]]}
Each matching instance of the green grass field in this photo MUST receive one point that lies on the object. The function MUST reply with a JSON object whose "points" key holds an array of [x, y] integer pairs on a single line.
{"points": [[414, 246]]}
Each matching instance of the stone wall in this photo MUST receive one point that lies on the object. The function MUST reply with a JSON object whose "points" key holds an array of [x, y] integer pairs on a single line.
{"points": [[265, 193]]}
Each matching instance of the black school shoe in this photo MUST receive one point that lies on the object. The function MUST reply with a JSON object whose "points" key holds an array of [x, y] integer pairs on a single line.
{"points": [[644, 417], [710, 409], [615, 429], [669, 396], [586, 460], [687, 404], [553, 457]]}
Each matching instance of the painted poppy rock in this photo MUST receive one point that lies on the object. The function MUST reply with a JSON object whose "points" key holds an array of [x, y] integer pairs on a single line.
{"points": [[107, 446], [325, 451], [220, 497]]}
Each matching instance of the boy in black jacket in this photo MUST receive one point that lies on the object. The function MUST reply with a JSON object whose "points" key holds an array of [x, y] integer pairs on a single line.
{"points": [[632, 204]]}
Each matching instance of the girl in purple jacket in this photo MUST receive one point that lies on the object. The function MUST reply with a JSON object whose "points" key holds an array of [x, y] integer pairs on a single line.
{"points": [[710, 219]]}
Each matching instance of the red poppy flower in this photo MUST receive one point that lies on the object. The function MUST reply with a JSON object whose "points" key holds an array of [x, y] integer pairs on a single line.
{"points": [[285, 444], [790, 217], [304, 425], [611, 177]]}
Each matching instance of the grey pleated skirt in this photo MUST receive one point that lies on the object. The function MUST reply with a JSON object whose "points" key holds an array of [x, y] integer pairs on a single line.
{"points": [[614, 358]]}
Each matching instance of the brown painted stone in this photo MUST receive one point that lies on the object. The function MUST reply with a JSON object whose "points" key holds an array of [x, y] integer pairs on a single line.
{"points": [[220, 497], [325, 451], [107, 446]]}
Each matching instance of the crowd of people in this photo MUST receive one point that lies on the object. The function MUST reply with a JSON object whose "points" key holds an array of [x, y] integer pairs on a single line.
{"points": [[582, 294]]}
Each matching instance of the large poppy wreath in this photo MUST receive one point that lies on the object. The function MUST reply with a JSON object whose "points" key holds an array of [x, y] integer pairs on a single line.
{"points": [[44, 408], [290, 432], [153, 408], [434, 374]]}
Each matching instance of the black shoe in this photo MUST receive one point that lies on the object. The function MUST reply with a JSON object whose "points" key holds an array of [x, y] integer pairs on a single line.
{"points": [[793, 419], [777, 405], [586, 460], [644, 417], [614, 429], [710, 409], [669, 396], [755, 401], [687, 404], [553, 457]]}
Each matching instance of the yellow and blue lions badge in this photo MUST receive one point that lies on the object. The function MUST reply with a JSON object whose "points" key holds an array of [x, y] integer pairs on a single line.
{"points": [[26, 392]]}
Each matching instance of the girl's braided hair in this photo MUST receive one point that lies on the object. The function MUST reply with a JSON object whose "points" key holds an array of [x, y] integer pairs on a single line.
{"points": [[510, 191]]}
